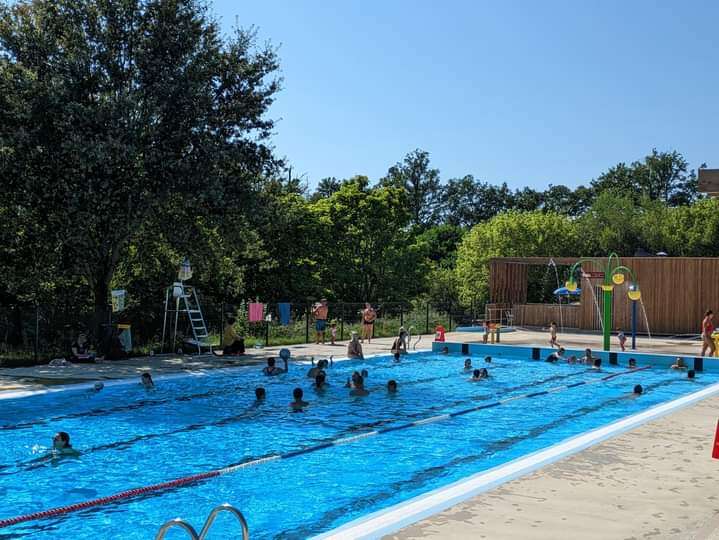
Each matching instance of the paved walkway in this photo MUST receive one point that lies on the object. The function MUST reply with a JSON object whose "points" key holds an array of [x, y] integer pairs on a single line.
{"points": [[657, 481]]}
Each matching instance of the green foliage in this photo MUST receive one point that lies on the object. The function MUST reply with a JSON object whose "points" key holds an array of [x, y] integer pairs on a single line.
{"points": [[420, 184], [117, 114], [364, 248]]}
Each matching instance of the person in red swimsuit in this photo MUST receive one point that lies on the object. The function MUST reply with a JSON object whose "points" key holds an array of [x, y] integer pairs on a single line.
{"points": [[707, 330]]}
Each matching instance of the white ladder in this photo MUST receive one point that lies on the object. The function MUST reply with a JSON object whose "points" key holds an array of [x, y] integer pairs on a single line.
{"points": [[188, 303], [177, 522]]}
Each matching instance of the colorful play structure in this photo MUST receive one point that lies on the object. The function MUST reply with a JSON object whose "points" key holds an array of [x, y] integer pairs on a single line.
{"points": [[614, 274]]}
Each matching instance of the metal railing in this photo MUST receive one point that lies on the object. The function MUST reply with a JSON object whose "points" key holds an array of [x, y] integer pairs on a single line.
{"points": [[177, 522]]}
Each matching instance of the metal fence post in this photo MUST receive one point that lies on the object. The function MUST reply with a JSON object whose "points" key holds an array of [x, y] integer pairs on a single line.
{"points": [[427, 329], [37, 332], [342, 321], [307, 323]]}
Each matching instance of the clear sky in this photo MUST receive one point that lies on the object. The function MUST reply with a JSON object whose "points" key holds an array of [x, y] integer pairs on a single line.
{"points": [[526, 92]]}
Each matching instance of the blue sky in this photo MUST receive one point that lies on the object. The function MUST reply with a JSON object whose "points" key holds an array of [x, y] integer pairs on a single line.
{"points": [[530, 93]]}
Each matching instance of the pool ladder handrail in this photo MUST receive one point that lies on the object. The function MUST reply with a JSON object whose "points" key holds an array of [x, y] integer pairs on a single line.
{"points": [[225, 507], [409, 338]]}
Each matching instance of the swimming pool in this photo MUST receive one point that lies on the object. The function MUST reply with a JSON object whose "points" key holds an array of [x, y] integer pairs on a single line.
{"points": [[130, 437]]}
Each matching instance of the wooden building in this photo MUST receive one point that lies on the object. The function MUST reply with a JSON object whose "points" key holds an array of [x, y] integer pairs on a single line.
{"points": [[676, 291]]}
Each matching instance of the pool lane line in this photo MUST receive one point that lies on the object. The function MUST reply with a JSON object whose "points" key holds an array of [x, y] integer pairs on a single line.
{"points": [[266, 459], [25, 466]]}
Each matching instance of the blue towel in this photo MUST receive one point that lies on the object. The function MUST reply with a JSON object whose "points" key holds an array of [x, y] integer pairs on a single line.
{"points": [[284, 309]]}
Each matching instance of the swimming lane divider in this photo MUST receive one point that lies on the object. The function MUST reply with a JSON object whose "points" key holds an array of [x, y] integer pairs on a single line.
{"points": [[192, 479]]}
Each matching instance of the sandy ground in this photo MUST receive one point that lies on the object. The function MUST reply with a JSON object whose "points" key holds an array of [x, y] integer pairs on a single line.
{"points": [[657, 481]]}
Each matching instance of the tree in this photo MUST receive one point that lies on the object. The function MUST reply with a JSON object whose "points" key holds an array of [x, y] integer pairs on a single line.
{"points": [[466, 201], [326, 188], [420, 183], [364, 247], [510, 234], [611, 225], [661, 175], [111, 109]]}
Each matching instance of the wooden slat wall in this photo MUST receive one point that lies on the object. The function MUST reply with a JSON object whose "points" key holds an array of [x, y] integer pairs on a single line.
{"points": [[543, 314], [508, 283], [675, 290]]}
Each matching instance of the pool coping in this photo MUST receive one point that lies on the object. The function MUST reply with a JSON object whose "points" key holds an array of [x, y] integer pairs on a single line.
{"points": [[389, 520]]}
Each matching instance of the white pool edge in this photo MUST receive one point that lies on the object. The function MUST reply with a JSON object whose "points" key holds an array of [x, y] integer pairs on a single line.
{"points": [[389, 520]]}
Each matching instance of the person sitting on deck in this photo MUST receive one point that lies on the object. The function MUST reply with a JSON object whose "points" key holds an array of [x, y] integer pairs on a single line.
{"points": [[271, 369], [359, 389], [80, 350], [232, 342], [298, 404], [679, 364], [354, 347]]}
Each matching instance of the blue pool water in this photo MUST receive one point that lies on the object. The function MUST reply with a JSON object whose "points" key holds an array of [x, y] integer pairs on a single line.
{"points": [[130, 437]]}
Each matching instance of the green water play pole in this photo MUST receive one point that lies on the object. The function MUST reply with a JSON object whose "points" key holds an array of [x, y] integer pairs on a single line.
{"points": [[613, 275]]}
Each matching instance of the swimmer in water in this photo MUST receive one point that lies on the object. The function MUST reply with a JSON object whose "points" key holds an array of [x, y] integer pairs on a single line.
{"points": [[315, 369], [632, 363], [351, 382], [587, 359], [572, 360], [691, 374], [396, 357], [679, 364], [476, 376], [146, 381], [445, 350], [392, 386], [487, 359], [271, 369], [468, 364], [638, 391], [260, 394], [597, 364], [321, 381], [61, 445], [364, 373], [556, 356], [298, 404], [359, 390]]}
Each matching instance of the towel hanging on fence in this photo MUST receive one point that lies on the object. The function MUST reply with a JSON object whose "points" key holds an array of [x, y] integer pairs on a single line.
{"points": [[255, 312], [284, 309]]}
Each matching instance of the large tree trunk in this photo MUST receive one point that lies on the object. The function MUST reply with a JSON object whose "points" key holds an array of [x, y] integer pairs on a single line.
{"points": [[101, 313]]}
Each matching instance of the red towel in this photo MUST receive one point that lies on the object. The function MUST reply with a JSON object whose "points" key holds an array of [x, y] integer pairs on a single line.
{"points": [[256, 312]]}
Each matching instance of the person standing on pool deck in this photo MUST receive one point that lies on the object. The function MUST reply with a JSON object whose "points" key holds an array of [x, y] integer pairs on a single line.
{"points": [[707, 330], [622, 340], [368, 317], [553, 334], [320, 312]]}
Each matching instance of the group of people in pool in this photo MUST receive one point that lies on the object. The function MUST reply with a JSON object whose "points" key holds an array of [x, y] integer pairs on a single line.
{"points": [[318, 372]]}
